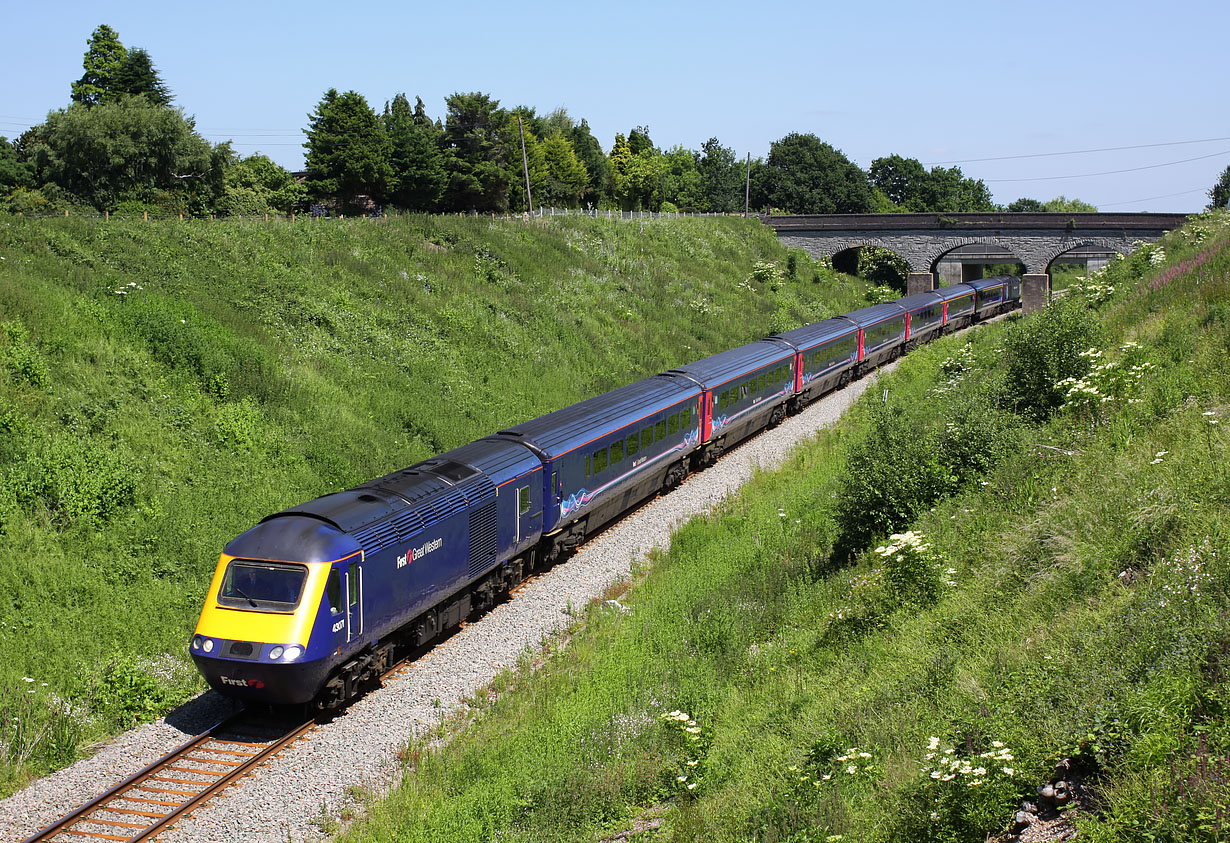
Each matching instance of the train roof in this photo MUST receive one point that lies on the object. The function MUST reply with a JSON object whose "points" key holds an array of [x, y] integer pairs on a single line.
{"points": [[919, 301], [395, 506], [956, 291], [989, 283], [565, 430], [812, 335], [868, 316], [724, 366]]}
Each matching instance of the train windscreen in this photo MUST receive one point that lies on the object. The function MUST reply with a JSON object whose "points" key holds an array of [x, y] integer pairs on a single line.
{"points": [[268, 586]]}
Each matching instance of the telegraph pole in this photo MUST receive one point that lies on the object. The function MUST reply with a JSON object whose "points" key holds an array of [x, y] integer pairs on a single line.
{"points": [[525, 163]]}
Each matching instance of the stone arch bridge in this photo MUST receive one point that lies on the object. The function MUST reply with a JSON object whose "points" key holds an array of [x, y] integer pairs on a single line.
{"points": [[923, 240]]}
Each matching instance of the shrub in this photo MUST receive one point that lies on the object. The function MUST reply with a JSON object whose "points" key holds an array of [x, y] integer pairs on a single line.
{"points": [[23, 361], [891, 475], [1042, 351], [77, 481]]}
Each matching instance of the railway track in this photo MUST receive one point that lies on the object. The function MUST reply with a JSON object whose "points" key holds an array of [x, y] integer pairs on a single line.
{"points": [[148, 802]]}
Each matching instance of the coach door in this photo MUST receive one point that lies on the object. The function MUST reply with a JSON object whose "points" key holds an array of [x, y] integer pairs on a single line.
{"points": [[354, 601]]}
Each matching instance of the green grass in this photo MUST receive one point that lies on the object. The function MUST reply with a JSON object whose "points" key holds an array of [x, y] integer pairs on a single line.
{"points": [[1069, 602], [165, 385]]}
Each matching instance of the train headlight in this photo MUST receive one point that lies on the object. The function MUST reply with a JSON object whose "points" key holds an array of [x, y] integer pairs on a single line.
{"points": [[276, 653], [293, 652], [196, 642], [208, 646]]}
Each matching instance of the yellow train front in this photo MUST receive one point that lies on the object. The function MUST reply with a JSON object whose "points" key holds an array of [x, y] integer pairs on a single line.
{"points": [[277, 620]]}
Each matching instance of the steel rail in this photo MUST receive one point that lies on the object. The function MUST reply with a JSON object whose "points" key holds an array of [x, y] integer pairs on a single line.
{"points": [[220, 780]]}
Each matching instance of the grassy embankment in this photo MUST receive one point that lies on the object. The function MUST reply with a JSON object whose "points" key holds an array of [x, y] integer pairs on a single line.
{"points": [[165, 385], [1062, 594]]}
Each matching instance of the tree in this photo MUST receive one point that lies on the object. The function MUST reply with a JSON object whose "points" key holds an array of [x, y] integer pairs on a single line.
{"points": [[137, 76], [902, 180], [130, 150], [1064, 205], [347, 149], [257, 185], [807, 176], [1025, 205], [475, 143], [566, 177], [103, 57], [15, 170], [634, 177], [418, 166], [681, 183], [721, 178], [589, 152], [1219, 194], [911, 187]]}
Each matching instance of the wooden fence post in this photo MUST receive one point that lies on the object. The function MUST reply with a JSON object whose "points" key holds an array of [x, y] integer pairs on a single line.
{"points": [[146, 215]]}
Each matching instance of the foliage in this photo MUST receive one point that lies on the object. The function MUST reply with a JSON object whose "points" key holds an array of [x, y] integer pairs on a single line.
{"points": [[1064, 205], [477, 140], [137, 76], [892, 473], [418, 176], [347, 149], [130, 149], [1025, 205], [1043, 351], [910, 187], [256, 185], [804, 175], [1219, 193], [104, 56], [15, 170], [721, 178], [884, 267], [636, 170]]}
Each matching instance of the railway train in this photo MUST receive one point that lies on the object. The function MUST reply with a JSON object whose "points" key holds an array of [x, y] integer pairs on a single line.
{"points": [[314, 601]]}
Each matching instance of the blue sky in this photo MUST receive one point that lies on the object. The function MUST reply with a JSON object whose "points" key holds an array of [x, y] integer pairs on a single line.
{"points": [[947, 83]]}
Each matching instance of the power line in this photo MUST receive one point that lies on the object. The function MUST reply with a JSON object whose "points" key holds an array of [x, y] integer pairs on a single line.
{"points": [[1115, 172], [1071, 152], [1151, 198]]}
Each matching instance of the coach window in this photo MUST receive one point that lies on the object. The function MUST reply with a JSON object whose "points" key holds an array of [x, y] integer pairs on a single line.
{"points": [[632, 444], [723, 400], [599, 460], [646, 438], [672, 424], [523, 500], [685, 419], [333, 592], [761, 384], [617, 452], [659, 430]]}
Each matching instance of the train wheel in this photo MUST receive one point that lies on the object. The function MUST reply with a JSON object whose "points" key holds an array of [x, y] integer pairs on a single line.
{"points": [[674, 476], [777, 416]]}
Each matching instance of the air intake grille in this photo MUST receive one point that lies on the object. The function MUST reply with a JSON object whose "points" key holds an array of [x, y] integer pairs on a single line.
{"points": [[483, 538]]}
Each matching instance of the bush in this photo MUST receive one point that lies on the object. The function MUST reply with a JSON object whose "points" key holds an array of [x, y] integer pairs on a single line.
{"points": [[1045, 349], [891, 475], [77, 481]]}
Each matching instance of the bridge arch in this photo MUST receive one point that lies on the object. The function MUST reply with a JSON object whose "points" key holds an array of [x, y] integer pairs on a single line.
{"points": [[937, 253], [1117, 246], [846, 252]]}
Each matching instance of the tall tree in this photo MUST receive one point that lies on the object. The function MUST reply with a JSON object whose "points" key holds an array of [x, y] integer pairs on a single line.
{"points": [[1219, 193], [137, 76], [634, 177], [257, 185], [347, 149], [721, 178], [476, 145], [911, 187], [808, 176], [566, 177], [418, 165], [103, 56], [590, 153]]}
